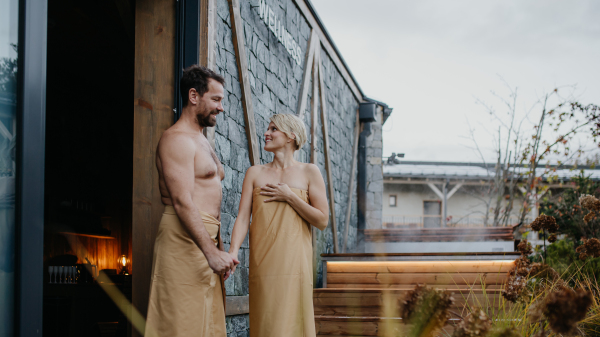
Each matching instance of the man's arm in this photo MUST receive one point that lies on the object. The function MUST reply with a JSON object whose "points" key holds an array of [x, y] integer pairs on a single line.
{"points": [[177, 158]]}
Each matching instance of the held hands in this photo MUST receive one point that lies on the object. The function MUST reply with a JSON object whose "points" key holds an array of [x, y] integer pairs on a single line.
{"points": [[234, 255], [277, 192], [221, 262]]}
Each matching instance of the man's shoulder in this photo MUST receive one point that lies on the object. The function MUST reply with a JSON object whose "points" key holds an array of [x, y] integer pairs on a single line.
{"points": [[173, 140]]}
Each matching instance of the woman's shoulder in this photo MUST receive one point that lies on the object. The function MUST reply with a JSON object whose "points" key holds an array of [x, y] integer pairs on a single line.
{"points": [[310, 168], [254, 170]]}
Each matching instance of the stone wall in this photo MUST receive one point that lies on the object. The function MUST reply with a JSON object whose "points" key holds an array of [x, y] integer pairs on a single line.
{"points": [[275, 79], [374, 174]]}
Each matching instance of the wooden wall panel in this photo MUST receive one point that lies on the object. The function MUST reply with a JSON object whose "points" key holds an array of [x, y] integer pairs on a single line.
{"points": [[101, 252], [153, 104], [328, 167], [208, 47], [313, 42], [237, 32]]}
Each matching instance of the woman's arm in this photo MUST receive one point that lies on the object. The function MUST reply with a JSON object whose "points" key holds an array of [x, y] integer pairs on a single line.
{"points": [[240, 228], [317, 212]]}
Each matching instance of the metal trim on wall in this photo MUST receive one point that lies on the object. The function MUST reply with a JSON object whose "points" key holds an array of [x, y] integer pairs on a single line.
{"points": [[31, 138]]}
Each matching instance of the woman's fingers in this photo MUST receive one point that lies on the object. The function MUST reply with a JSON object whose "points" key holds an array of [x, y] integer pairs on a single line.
{"points": [[267, 193]]}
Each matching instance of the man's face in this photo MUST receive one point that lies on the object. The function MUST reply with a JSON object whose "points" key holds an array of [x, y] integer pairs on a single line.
{"points": [[210, 104]]}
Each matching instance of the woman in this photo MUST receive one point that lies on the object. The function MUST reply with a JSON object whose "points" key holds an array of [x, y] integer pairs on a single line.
{"points": [[277, 196]]}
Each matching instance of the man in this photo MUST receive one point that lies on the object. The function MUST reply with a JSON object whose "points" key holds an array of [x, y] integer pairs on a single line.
{"points": [[186, 294]]}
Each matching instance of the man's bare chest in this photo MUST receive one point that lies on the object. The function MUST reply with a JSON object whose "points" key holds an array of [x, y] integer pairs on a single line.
{"points": [[206, 163]]}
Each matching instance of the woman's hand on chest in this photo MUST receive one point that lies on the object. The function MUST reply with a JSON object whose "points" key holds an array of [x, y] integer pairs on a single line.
{"points": [[277, 192]]}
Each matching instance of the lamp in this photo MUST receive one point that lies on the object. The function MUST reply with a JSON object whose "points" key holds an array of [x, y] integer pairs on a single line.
{"points": [[122, 262]]}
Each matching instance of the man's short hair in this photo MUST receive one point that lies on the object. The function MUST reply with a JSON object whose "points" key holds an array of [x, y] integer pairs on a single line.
{"points": [[292, 126], [196, 77]]}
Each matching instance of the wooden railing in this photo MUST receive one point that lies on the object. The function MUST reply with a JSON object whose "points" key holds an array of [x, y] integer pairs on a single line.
{"points": [[439, 234], [432, 221]]}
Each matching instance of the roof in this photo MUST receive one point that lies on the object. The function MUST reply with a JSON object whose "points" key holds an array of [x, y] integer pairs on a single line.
{"points": [[472, 171]]}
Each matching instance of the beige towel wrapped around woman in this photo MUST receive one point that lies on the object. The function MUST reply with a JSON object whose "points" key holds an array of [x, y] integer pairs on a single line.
{"points": [[186, 297], [280, 234], [280, 270]]}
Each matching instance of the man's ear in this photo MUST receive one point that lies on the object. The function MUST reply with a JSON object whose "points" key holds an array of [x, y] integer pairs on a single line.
{"points": [[193, 96]]}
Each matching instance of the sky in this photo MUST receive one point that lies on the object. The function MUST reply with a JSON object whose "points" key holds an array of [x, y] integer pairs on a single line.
{"points": [[9, 11], [432, 61]]}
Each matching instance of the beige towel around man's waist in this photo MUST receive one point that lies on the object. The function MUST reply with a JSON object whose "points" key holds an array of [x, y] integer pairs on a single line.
{"points": [[186, 297]]}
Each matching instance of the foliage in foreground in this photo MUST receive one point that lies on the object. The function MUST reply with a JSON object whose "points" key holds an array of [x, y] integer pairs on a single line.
{"points": [[541, 302], [426, 309], [563, 257]]}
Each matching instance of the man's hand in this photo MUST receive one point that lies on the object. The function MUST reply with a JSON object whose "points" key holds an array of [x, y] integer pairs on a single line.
{"points": [[234, 255], [221, 262], [277, 192]]}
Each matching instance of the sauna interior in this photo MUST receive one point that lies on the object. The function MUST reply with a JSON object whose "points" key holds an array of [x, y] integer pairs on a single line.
{"points": [[88, 165]]}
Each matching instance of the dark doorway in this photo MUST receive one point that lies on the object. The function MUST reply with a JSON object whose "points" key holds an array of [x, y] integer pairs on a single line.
{"points": [[89, 155]]}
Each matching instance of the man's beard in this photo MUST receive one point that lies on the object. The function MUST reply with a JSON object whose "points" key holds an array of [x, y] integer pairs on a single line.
{"points": [[205, 121]]}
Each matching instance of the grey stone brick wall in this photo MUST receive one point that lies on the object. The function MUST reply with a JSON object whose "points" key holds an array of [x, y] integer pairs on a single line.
{"points": [[375, 174], [275, 79]]}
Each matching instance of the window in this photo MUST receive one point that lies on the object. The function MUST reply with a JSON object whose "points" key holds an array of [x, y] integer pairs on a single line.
{"points": [[9, 28], [393, 200]]}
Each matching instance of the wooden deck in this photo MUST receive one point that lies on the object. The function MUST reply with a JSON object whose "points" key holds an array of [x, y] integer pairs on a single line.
{"points": [[361, 292]]}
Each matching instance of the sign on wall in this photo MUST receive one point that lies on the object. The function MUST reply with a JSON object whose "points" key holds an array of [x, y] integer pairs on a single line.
{"points": [[275, 25]]}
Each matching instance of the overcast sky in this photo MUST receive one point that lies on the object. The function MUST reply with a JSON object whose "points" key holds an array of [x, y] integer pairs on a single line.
{"points": [[431, 59]]}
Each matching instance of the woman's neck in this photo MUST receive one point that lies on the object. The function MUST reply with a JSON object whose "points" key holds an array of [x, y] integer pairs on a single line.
{"points": [[283, 159]]}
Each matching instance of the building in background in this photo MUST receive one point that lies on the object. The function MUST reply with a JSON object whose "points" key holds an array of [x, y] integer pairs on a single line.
{"points": [[451, 206]]}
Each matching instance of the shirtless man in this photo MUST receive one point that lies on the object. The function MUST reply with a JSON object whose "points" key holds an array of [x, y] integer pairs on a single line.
{"points": [[186, 296]]}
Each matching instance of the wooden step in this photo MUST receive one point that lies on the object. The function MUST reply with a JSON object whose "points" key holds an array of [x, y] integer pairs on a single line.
{"points": [[384, 302], [408, 286], [365, 326], [333, 279]]}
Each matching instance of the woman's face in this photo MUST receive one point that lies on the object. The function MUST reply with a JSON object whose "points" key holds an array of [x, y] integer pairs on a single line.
{"points": [[275, 139]]}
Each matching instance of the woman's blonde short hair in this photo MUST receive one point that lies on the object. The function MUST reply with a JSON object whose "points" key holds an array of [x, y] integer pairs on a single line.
{"points": [[292, 126]]}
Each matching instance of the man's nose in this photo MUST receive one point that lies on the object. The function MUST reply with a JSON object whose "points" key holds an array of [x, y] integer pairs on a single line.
{"points": [[220, 107]]}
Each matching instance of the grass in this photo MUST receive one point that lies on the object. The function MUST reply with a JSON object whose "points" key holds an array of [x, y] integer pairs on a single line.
{"points": [[526, 316]]}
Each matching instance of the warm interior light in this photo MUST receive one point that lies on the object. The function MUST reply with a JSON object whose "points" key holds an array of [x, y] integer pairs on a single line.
{"points": [[122, 261]]}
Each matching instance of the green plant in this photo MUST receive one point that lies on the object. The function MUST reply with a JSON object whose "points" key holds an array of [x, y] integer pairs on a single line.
{"points": [[562, 256], [570, 214]]}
